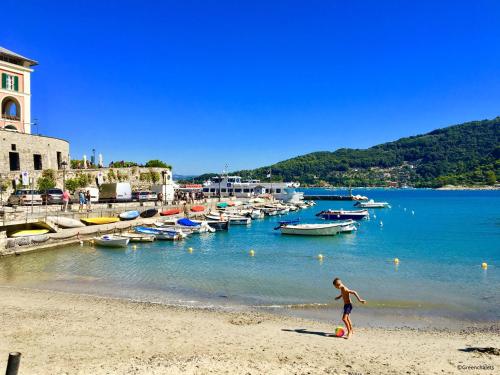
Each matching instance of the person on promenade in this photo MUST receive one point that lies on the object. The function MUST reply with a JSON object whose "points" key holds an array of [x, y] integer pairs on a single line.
{"points": [[81, 200], [87, 199], [65, 199], [345, 294]]}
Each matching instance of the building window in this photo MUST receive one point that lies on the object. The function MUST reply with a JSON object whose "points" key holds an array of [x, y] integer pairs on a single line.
{"points": [[237, 190], [13, 147], [37, 162], [10, 82], [212, 190], [14, 161], [59, 160], [11, 109]]}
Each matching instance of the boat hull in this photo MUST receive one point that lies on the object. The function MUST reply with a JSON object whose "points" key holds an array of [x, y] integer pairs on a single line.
{"points": [[111, 241], [99, 220], [316, 230]]}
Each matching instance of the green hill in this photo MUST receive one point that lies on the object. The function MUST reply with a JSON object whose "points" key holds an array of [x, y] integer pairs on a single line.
{"points": [[465, 154]]}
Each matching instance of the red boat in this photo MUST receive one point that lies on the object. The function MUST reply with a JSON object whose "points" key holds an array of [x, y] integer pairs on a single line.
{"points": [[197, 209], [172, 211]]}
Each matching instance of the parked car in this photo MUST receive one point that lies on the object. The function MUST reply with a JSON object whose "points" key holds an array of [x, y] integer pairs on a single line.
{"points": [[143, 196], [52, 196], [115, 192], [25, 197]]}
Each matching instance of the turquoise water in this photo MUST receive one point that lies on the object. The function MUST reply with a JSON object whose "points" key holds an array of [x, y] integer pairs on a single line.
{"points": [[440, 237]]}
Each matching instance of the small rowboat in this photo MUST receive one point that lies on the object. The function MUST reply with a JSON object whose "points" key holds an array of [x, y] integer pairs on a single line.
{"points": [[222, 205], [149, 213], [100, 220], [65, 222], [197, 209], [172, 211], [111, 240], [29, 232], [129, 215], [311, 229], [137, 237]]}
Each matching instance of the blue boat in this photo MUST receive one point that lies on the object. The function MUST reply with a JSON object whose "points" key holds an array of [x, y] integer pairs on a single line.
{"points": [[343, 214], [187, 223], [129, 215]]}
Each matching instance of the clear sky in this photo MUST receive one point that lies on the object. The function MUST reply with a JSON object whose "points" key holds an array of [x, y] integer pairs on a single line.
{"points": [[248, 83]]}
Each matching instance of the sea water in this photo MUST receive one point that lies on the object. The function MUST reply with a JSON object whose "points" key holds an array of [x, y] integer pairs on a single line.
{"points": [[441, 238]]}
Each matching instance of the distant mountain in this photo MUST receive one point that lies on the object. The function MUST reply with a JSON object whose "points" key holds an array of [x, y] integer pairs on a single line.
{"points": [[465, 154], [182, 177]]}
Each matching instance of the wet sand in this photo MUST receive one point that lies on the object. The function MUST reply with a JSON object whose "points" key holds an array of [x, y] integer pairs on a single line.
{"points": [[62, 333]]}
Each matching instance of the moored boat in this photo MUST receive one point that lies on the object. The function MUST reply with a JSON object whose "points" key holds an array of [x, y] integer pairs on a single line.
{"points": [[129, 215], [65, 222], [310, 229], [371, 204], [197, 208], [149, 213], [99, 220], [29, 232], [160, 234], [233, 219], [343, 214], [172, 211], [218, 225], [110, 240], [137, 237]]}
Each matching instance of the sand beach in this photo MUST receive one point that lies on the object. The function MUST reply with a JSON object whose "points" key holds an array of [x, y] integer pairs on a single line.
{"points": [[62, 333]]}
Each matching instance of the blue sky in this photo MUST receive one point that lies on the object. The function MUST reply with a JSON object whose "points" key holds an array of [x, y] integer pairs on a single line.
{"points": [[248, 83]]}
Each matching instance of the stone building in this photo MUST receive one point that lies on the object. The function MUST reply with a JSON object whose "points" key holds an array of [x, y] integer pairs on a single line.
{"points": [[21, 151]]}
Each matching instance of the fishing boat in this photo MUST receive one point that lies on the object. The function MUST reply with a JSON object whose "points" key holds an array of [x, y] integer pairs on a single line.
{"points": [[137, 237], [172, 211], [371, 204], [149, 213], [29, 232], [129, 215], [65, 222], [111, 240], [310, 229], [343, 214], [99, 220]]}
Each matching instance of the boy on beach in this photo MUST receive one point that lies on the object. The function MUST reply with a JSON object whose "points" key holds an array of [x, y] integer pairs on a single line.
{"points": [[345, 293]]}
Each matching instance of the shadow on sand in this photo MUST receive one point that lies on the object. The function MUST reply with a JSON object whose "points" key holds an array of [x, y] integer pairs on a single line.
{"points": [[307, 332]]}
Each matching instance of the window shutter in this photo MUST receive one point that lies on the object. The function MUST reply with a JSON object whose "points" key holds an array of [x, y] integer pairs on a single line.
{"points": [[4, 81], [16, 83]]}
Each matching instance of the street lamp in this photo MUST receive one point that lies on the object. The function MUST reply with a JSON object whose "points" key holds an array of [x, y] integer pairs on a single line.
{"points": [[64, 165]]}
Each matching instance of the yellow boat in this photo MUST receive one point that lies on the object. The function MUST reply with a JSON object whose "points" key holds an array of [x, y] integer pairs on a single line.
{"points": [[100, 220], [29, 232]]}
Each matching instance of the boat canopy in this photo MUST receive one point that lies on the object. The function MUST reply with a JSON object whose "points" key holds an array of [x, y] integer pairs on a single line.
{"points": [[187, 222]]}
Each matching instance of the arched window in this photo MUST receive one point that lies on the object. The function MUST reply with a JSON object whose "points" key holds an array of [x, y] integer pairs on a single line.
{"points": [[11, 109]]}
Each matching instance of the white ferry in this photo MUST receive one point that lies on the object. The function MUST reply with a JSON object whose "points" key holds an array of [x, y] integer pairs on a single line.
{"points": [[234, 186]]}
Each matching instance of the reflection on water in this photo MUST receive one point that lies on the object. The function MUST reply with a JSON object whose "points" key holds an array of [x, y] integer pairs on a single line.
{"points": [[439, 269]]}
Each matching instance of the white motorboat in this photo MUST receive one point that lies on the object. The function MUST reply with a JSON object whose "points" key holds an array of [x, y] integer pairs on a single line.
{"points": [[371, 204], [310, 229], [111, 240], [347, 226]]}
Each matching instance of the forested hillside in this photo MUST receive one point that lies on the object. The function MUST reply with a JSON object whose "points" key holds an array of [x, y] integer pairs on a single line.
{"points": [[466, 154]]}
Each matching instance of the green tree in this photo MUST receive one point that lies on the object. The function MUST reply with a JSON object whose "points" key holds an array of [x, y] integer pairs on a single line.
{"points": [[157, 164], [491, 178]]}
